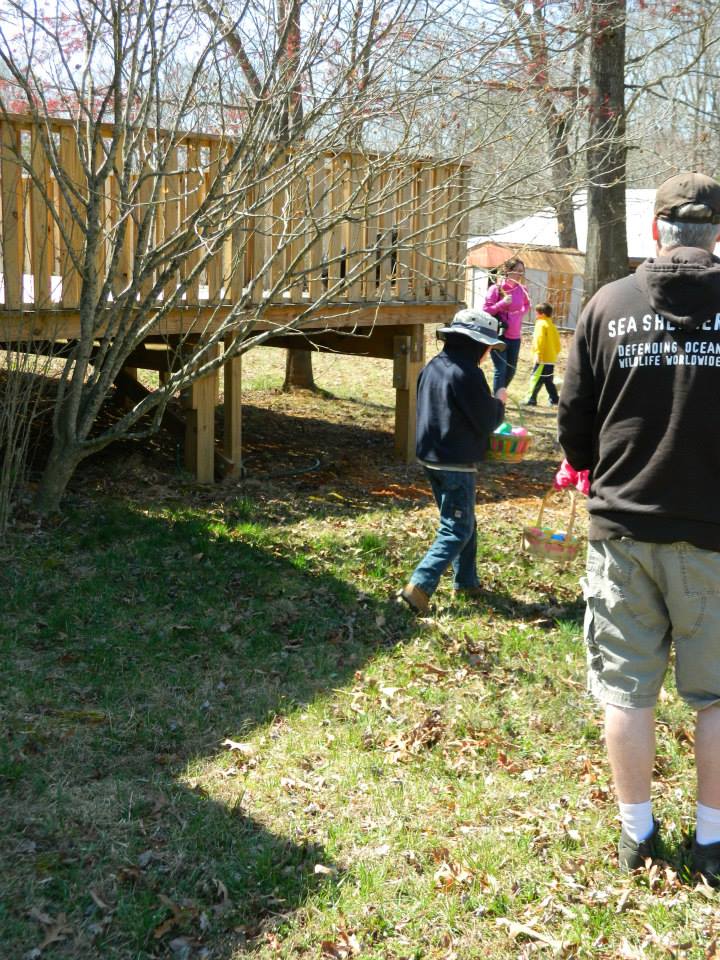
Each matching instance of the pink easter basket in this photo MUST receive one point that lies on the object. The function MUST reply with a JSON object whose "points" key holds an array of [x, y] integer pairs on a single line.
{"points": [[559, 546]]}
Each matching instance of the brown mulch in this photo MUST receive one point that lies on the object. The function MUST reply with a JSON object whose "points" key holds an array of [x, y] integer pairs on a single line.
{"points": [[312, 446], [322, 446]]}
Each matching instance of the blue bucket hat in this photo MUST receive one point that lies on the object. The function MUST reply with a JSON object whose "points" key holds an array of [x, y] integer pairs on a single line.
{"points": [[476, 324]]}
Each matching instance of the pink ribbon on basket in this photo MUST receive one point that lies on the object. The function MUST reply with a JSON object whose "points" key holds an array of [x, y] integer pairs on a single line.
{"points": [[568, 476]]}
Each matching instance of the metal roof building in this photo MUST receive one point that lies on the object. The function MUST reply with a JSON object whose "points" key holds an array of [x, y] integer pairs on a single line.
{"points": [[553, 273]]}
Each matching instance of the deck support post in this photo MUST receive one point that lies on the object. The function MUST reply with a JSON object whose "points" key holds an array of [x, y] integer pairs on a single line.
{"points": [[200, 400], [127, 401], [232, 439], [408, 360]]}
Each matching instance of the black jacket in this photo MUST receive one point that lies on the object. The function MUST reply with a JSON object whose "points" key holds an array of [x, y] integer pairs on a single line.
{"points": [[640, 402], [455, 410]]}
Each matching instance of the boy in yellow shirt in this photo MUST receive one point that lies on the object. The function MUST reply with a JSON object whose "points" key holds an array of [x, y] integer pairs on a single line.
{"points": [[545, 348]]}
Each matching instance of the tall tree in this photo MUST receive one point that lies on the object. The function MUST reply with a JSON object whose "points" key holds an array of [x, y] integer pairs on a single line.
{"points": [[298, 364], [549, 41], [607, 253]]}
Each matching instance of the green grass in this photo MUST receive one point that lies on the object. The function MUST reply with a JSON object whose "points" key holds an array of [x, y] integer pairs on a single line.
{"points": [[222, 737]]}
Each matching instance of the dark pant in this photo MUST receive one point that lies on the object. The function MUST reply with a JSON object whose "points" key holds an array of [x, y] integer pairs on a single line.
{"points": [[505, 363], [542, 376]]}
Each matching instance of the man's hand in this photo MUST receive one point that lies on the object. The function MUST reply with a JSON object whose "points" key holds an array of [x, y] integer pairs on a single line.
{"points": [[501, 394]]}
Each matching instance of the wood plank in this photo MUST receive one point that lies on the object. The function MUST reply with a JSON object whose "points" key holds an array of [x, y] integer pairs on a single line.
{"points": [[123, 234], [296, 227], [170, 219], [275, 239], [372, 236], [376, 343], [241, 255], [457, 232], [41, 253], [333, 240], [144, 217], [443, 247], [351, 233], [144, 358], [435, 233], [386, 221], [422, 228], [185, 320], [72, 245], [404, 285], [316, 199], [215, 266], [194, 185], [12, 216], [262, 239]]}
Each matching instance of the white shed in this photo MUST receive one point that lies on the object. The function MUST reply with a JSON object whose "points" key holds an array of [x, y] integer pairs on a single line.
{"points": [[553, 273]]}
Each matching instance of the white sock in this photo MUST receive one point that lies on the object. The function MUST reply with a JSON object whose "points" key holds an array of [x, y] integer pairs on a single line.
{"points": [[708, 824], [637, 820]]}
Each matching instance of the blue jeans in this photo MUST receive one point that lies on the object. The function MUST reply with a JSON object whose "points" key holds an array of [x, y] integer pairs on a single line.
{"points": [[505, 363], [456, 540]]}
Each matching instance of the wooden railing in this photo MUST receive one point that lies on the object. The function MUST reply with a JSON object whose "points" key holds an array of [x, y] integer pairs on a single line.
{"points": [[338, 226]]}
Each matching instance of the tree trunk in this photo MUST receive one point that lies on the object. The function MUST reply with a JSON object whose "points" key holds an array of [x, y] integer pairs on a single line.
{"points": [[56, 476], [299, 371], [607, 253], [563, 177]]}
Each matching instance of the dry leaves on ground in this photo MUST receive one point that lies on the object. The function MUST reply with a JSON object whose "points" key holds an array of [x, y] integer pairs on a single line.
{"points": [[345, 945], [408, 745]]}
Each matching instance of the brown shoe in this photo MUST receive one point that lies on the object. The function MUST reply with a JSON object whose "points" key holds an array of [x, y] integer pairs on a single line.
{"points": [[415, 598]]}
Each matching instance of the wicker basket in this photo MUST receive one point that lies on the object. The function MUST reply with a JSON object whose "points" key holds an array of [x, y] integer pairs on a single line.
{"points": [[562, 547], [508, 447]]}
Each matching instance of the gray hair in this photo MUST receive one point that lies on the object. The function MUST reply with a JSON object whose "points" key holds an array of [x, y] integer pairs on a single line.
{"points": [[676, 233]]}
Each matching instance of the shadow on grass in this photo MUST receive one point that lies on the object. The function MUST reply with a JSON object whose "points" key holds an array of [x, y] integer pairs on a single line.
{"points": [[334, 466], [135, 644], [546, 613]]}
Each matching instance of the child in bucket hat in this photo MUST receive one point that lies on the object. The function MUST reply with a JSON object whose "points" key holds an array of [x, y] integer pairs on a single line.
{"points": [[456, 412]]}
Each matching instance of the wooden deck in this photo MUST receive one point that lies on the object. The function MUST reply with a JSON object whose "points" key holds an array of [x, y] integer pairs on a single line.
{"points": [[337, 255]]}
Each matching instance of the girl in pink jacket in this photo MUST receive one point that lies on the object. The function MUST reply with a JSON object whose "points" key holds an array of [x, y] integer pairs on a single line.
{"points": [[508, 301]]}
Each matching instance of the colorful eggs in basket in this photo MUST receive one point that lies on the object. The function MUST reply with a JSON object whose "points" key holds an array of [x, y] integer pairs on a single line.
{"points": [[508, 443], [547, 533]]}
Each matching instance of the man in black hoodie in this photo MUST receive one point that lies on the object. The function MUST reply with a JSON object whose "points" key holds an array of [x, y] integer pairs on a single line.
{"points": [[455, 415], [639, 408]]}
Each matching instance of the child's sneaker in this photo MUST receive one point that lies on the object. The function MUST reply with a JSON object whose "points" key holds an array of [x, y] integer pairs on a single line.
{"points": [[415, 598]]}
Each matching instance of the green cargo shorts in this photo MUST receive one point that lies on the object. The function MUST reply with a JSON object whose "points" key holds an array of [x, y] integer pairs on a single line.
{"points": [[641, 598]]}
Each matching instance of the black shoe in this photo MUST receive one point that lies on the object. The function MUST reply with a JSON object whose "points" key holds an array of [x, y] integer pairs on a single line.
{"points": [[633, 854], [706, 860], [529, 403], [554, 403]]}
